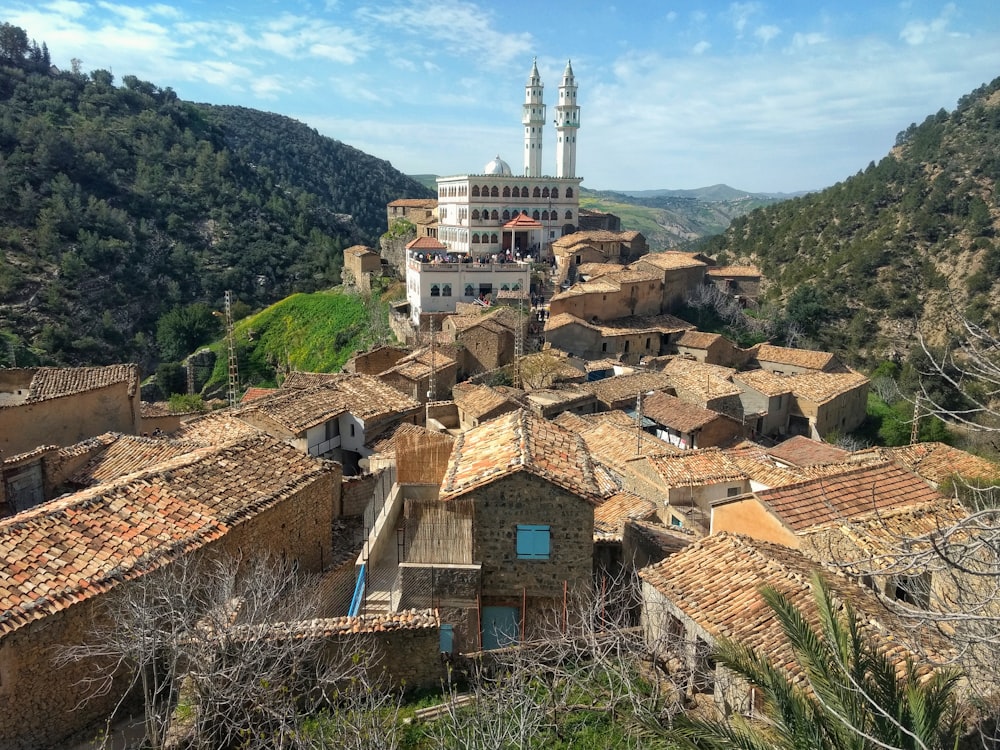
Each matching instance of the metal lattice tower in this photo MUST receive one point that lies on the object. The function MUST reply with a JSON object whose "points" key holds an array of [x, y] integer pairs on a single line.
{"points": [[234, 375], [518, 344], [915, 427]]}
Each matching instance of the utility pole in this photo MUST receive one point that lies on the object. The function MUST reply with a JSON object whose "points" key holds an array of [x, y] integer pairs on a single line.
{"points": [[915, 427], [518, 344]]}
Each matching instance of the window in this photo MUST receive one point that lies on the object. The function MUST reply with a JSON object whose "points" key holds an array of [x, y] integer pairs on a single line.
{"points": [[555, 192], [475, 191], [569, 214], [532, 542], [468, 290], [475, 214], [569, 192], [494, 193], [435, 290], [506, 191], [446, 290], [732, 491]]}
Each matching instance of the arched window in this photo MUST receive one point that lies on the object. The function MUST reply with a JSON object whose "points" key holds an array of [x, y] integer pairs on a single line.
{"points": [[494, 193], [535, 215], [495, 216], [486, 190], [569, 192], [475, 191], [517, 286], [475, 238], [545, 215], [506, 215], [524, 212], [446, 290], [475, 214], [493, 238], [545, 192], [555, 192], [468, 290], [435, 290], [569, 214], [537, 192], [506, 191], [524, 192], [504, 287]]}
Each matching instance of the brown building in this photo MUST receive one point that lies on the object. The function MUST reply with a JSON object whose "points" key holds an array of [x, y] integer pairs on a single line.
{"points": [[688, 425], [783, 360], [709, 348], [360, 264], [248, 498], [417, 211], [62, 406], [680, 273], [742, 282]]}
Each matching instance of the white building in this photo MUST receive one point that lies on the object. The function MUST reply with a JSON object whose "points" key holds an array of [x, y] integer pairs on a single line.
{"points": [[489, 224]]}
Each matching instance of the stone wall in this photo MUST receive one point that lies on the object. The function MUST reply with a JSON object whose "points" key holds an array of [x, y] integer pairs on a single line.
{"points": [[69, 419], [407, 658], [522, 498], [356, 493]]}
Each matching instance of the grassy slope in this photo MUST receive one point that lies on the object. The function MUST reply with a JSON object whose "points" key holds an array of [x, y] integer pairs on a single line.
{"points": [[309, 332]]}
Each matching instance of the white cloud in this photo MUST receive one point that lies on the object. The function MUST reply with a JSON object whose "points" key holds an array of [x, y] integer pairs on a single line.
{"points": [[701, 47], [766, 33], [740, 14], [919, 32], [801, 41]]}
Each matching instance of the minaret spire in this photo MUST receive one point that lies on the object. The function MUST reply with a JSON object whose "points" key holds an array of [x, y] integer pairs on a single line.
{"points": [[533, 118], [567, 124]]}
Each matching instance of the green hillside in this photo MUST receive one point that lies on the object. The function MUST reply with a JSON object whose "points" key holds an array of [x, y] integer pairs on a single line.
{"points": [[121, 205], [897, 247]]}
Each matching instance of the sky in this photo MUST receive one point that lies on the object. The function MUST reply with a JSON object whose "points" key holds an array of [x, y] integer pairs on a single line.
{"points": [[779, 96]]}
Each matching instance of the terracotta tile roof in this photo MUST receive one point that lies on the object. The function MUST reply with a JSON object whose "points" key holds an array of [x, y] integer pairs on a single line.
{"points": [[697, 380], [845, 495], [215, 428], [386, 442], [409, 619], [698, 339], [670, 411], [937, 462], [53, 382], [609, 481], [611, 515], [523, 221], [359, 250], [763, 472], [594, 270], [363, 396], [296, 379], [565, 319], [633, 275], [81, 545], [692, 468], [128, 454], [716, 582], [425, 243], [619, 387], [821, 387], [615, 445], [667, 539], [414, 202], [639, 324], [733, 271], [889, 541], [519, 441], [669, 260], [784, 355], [803, 451], [480, 401], [764, 382], [253, 393]]}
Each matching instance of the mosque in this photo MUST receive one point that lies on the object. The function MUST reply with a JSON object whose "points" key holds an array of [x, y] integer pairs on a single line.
{"points": [[491, 225]]}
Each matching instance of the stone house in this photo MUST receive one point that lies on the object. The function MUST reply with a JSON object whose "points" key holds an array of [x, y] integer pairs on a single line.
{"points": [[712, 589], [61, 406], [626, 340], [360, 264], [621, 391], [680, 274], [480, 403], [483, 343], [415, 210], [799, 451], [515, 515], [337, 418], [709, 348], [373, 361], [827, 402], [425, 371], [707, 386], [254, 496], [782, 360], [766, 400], [688, 425], [550, 402], [596, 246], [686, 485], [742, 282], [620, 294]]}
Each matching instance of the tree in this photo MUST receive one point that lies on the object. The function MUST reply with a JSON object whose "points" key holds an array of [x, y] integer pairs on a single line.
{"points": [[854, 696], [221, 654], [183, 329]]}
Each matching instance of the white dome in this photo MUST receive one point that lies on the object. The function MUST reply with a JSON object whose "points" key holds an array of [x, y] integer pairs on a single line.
{"points": [[498, 166]]}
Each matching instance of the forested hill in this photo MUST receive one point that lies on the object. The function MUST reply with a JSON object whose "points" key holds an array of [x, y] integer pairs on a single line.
{"points": [[898, 245], [120, 203]]}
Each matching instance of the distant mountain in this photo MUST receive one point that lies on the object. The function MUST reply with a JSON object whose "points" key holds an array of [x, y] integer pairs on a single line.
{"points": [[900, 245], [121, 205], [709, 194]]}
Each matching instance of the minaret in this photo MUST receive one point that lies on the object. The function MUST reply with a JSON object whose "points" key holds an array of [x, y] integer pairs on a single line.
{"points": [[533, 117], [567, 124]]}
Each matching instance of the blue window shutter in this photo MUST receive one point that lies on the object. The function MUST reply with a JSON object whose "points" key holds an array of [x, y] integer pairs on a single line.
{"points": [[447, 638], [532, 542]]}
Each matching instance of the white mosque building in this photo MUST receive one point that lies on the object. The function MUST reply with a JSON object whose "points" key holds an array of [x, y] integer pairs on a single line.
{"points": [[490, 225]]}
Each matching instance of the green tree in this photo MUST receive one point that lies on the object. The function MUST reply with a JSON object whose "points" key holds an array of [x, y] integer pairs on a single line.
{"points": [[183, 329], [855, 697]]}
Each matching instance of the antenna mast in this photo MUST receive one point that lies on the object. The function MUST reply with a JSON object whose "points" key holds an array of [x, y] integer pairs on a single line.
{"points": [[234, 375]]}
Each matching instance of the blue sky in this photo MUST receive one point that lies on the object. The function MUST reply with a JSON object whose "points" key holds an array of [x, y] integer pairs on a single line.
{"points": [[763, 96]]}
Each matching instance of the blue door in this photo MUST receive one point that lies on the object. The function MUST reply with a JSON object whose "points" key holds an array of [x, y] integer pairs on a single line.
{"points": [[500, 625]]}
